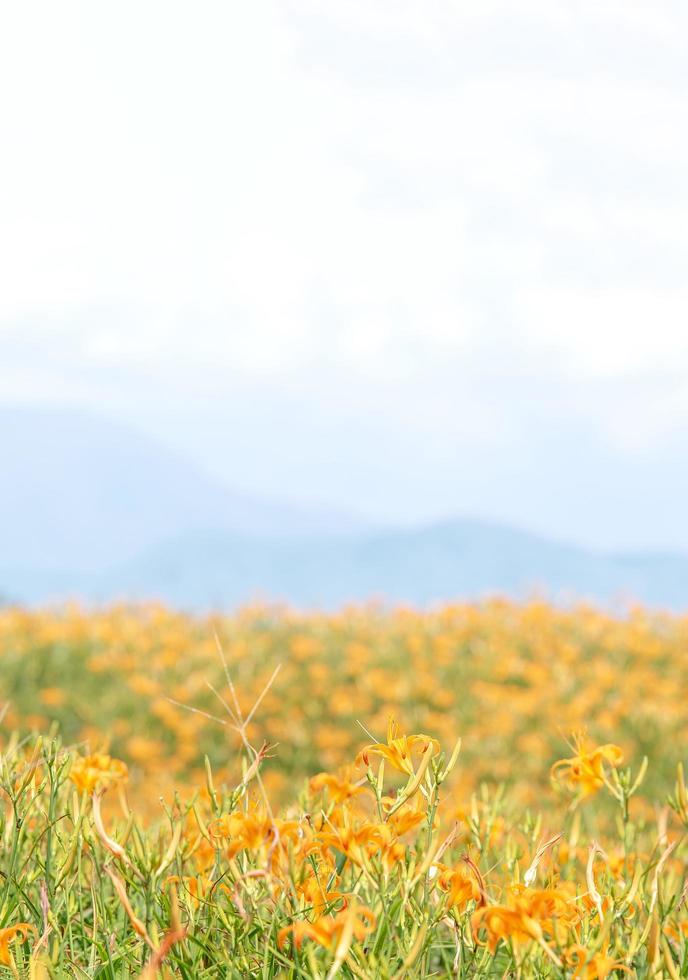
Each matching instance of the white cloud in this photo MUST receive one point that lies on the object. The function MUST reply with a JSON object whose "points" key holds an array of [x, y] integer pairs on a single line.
{"points": [[608, 331], [395, 197]]}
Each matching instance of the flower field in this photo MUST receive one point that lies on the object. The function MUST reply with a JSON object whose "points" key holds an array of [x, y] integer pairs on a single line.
{"points": [[485, 790]]}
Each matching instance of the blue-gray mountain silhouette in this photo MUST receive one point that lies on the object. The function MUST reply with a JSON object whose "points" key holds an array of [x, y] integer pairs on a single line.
{"points": [[91, 509]]}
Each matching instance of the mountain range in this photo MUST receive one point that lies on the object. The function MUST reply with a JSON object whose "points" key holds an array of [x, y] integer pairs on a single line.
{"points": [[82, 492], [92, 509]]}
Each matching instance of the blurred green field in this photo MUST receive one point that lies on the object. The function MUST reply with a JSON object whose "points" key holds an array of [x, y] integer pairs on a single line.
{"points": [[514, 681]]}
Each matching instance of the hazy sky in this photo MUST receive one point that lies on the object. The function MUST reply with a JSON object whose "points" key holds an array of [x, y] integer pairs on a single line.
{"points": [[419, 258]]}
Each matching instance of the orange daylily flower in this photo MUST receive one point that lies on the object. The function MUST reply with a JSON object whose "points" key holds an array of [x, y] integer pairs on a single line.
{"points": [[460, 885], [596, 967], [554, 908], [585, 770], [252, 831], [677, 932], [97, 772], [356, 840], [501, 922], [399, 748], [405, 820], [327, 929], [339, 790], [20, 931], [536, 914], [314, 891]]}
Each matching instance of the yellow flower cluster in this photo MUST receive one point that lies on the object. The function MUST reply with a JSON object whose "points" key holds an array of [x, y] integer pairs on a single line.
{"points": [[379, 868], [512, 679]]}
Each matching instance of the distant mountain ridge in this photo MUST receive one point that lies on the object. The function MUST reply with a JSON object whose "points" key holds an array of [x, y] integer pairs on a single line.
{"points": [[85, 492], [423, 566], [92, 509]]}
